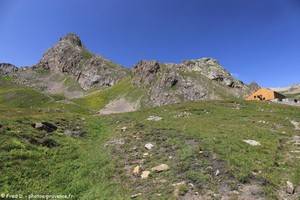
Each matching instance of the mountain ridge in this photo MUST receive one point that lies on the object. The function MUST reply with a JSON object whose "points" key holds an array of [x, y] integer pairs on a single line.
{"points": [[70, 69]]}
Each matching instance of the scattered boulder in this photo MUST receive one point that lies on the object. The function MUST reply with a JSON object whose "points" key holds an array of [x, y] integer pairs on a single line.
{"points": [[136, 170], [145, 174], [38, 125], [113, 142], [161, 168], [123, 129], [149, 146], [252, 142], [154, 118], [46, 126], [136, 195], [146, 154], [296, 125], [290, 189]]}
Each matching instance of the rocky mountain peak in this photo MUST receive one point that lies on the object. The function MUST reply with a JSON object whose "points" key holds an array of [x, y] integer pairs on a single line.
{"points": [[68, 67], [72, 38]]}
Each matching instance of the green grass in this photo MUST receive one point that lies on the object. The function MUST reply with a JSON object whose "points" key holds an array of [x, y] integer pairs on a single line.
{"points": [[88, 168], [72, 84], [221, 129], [78, 166], [86, 54], [98, 99], [18, 96]]}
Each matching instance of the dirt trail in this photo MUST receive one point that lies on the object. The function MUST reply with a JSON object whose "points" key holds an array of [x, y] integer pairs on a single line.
{"points": [[119, 106]]}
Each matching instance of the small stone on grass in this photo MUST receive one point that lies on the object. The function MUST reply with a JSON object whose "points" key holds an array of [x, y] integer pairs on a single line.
{"points": [[149, 146], [145, 174], [252, 142], [161, 168], [154, 118]]}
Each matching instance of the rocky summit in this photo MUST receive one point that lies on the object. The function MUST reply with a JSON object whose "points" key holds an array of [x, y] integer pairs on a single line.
{"points": [[70, 69], [69, 56], [67, 68]]}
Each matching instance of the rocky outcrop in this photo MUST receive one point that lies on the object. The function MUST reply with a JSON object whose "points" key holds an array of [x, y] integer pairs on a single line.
{"points": [[67, 68], [145, 72], [211, 68], [69, 56], [188, 81], [7, 69]]}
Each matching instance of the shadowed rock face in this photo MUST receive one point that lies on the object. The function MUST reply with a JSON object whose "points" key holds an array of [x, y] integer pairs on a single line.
{"points": [[7, 69]]}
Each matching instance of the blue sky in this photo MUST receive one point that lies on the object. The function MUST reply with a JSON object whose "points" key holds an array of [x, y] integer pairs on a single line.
{"points": [[256, 40]]}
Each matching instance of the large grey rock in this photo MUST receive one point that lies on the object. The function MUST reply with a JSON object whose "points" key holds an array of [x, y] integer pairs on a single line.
{"points": [[7, 69]]}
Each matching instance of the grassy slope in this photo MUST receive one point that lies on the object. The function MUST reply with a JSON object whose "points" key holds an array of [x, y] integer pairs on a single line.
{"points": [[18, 96], [77, 166], [98, 99], [84, 166], [222, 130]]}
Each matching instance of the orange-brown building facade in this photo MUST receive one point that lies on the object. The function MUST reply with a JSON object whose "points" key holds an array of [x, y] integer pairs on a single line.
{"points": [[264, 94]]}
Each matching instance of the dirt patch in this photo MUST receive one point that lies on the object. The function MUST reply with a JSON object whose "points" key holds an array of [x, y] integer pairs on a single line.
{"points": [[119, 106]]}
